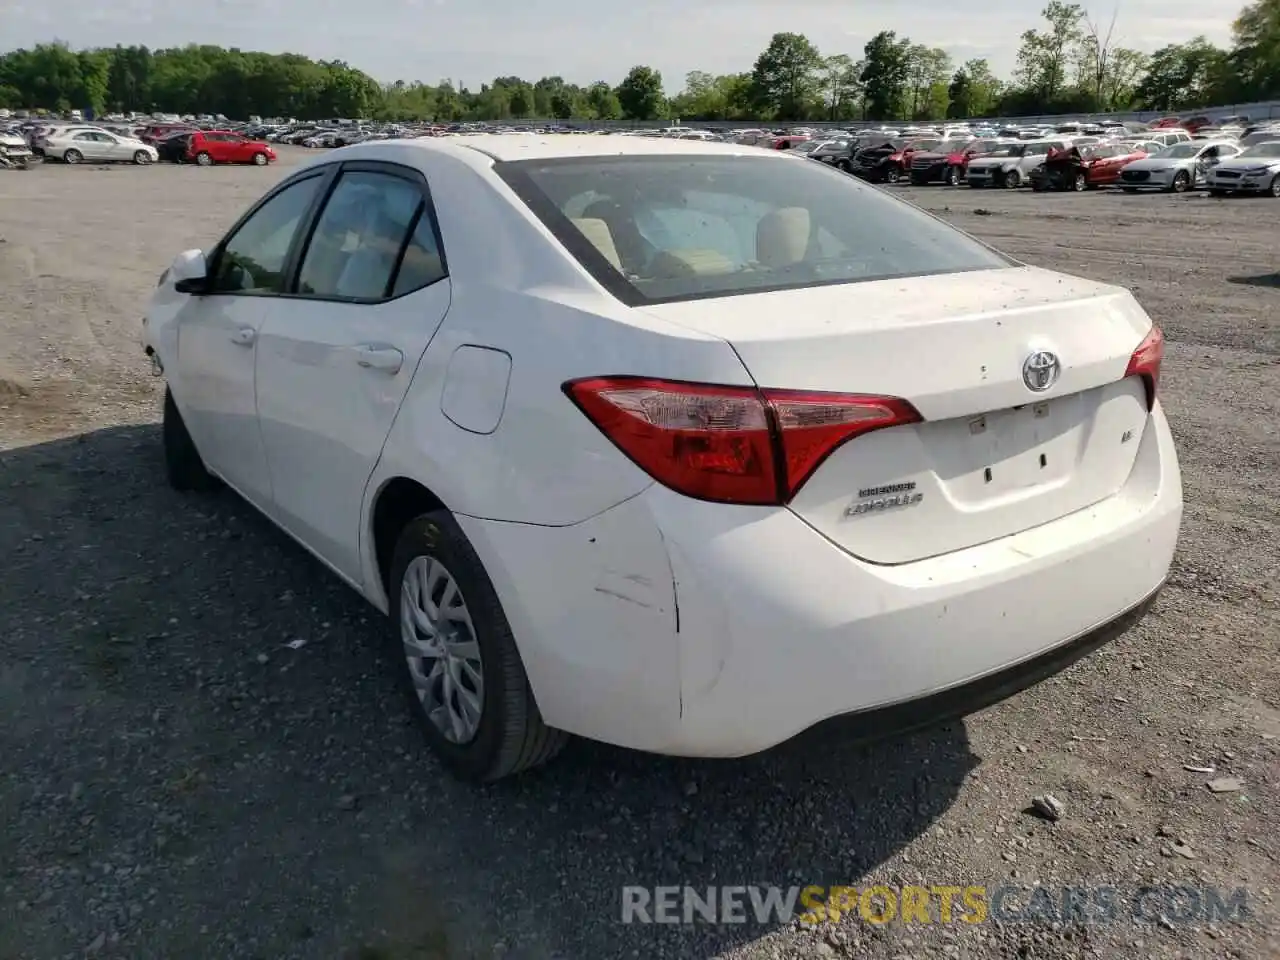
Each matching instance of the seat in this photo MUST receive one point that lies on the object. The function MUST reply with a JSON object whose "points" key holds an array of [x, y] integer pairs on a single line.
{"points": [[633, 249], [782, 237], [601, 237], [684, 264]]}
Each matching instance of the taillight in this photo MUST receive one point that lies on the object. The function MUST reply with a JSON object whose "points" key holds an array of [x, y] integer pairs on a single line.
{"points": [[1145, 362], [729, 444]]}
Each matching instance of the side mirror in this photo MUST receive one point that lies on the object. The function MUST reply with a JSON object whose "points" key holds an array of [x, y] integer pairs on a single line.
{"points": [[189, 271]]}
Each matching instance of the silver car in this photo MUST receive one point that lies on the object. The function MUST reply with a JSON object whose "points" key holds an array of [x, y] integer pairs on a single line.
{"points": [[1179, 168], [77, 145], [1254, 170]]}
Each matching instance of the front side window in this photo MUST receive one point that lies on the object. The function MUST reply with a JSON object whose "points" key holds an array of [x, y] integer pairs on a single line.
{"points": [[357, 241], [253, 259], [663, 228]]}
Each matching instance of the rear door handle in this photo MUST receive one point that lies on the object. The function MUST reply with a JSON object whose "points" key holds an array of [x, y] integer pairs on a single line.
{"points": [[386, 359], [244, 336]]}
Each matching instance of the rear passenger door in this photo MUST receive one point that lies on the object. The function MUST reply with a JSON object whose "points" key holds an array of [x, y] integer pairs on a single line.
{"points": [[336, 355]]}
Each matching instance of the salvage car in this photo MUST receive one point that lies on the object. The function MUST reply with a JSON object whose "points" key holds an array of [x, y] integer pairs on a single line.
{"points": [[1178, 168], [77, 145], [1082, 168], [14, 151], [207, 147], [1253, 170], [949, 161], [889, 161], [592, 421], [1011, 167]]}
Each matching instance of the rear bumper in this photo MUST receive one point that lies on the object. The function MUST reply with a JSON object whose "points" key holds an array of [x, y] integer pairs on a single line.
{"points": [[688, 628]]}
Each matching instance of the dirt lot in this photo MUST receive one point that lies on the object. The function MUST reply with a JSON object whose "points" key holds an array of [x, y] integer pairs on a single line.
{"points": [[178, 782]]}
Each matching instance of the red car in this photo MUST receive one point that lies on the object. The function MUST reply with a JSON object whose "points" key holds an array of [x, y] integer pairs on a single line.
{"points": [[947, 162], [1083, 168], [788, 141], [208, 147]]}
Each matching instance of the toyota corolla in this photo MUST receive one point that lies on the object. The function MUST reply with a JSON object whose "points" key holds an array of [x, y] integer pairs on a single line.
{"points": [[679, 446]]}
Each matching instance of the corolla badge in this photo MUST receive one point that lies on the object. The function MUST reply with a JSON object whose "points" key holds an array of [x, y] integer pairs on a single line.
{"points": [[1040, 370]]}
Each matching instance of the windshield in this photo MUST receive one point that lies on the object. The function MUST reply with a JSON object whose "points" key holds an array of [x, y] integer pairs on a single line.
{"points": [[1271, 149], [924, 145], [809, 146], [681, 227], [1180, 151]]}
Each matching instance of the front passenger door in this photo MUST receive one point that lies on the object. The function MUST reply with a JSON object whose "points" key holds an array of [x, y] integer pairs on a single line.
{"points": [[218, 333]]}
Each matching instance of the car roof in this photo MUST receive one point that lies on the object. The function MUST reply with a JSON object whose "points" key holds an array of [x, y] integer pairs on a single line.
{"points": [[504, 147]]}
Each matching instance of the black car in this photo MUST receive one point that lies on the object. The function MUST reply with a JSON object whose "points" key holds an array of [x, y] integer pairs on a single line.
{"points": [[173, 148], [880, 163]]}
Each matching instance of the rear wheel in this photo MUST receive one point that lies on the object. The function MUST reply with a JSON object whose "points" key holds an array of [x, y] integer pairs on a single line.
{"points": [[72, 156], [1012, 179], [892, 175], [1274, 189], [141, 157], [204, 159], [460, 668], [953, 176], [182, 463], [1181, 182]]}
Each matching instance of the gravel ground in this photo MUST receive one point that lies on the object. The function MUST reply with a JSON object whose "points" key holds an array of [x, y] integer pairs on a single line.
{"points": [[179, 782]]}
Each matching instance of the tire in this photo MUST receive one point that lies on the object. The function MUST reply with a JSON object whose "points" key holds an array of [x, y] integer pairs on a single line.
{"points": [[1274, 189], [892, 175], [72, 156], [952, 177], [1080, 184], [1012, 180], [183, 466], [1181, 182], [204, 159], [510, 735], [845, 165], [141, 158], [259, 159]]}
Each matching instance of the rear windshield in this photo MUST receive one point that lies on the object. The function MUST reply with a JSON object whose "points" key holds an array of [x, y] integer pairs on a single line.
{"points": [[656, 229]]}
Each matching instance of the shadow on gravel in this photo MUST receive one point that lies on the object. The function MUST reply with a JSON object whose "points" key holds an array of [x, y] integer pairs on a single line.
{"points": [[155, 716], [1262, 280]]}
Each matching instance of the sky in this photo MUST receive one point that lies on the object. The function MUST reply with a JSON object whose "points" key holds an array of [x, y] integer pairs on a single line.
{"points": [[472, 41]]}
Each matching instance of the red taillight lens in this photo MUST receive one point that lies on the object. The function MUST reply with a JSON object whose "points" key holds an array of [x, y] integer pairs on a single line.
{"points": [[729, 444], [1146, 361]]}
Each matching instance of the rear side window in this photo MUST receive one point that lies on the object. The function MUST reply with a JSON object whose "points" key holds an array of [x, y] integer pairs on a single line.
{"points": [[678, 227], [374, 239]]}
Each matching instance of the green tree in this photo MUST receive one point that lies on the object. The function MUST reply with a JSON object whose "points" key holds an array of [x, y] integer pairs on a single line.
{"points": [[841, 86], [786, 76], [1255, 57], [519, 103], [1181, 75], [603, 102], [640, 94], [885, 74], [927, 72], [1045, 55]]}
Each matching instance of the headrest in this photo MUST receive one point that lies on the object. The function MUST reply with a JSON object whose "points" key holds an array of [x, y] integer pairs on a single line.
{"points": [[782, 237]]}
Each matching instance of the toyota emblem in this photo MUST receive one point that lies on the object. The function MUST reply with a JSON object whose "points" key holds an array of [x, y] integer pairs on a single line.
{"points": [[1040, 371]]}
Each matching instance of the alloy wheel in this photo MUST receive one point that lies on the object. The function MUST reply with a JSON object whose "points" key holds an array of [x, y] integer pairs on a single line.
{"points": [[441, 650]]}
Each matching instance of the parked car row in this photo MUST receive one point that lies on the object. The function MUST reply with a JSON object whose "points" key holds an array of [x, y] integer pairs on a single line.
{"points": [[1167, 159], [74, 143]]}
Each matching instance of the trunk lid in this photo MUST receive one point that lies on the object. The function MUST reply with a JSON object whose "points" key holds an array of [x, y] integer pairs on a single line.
{"points": [[991, 457]]}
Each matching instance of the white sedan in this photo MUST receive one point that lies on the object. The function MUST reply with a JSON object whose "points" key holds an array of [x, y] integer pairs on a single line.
{"points": [[98, 146], [679, 446]]}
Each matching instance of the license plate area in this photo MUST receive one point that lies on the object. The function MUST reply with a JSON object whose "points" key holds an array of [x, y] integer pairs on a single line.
{"points": [[1005, 453]]}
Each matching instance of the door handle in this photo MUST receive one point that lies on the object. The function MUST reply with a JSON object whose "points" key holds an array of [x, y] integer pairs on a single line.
{"points": [[386, 359], [244, 337]]}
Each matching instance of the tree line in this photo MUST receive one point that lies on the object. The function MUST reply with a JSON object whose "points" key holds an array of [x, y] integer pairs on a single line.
{"points": [[1069, 64]]}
